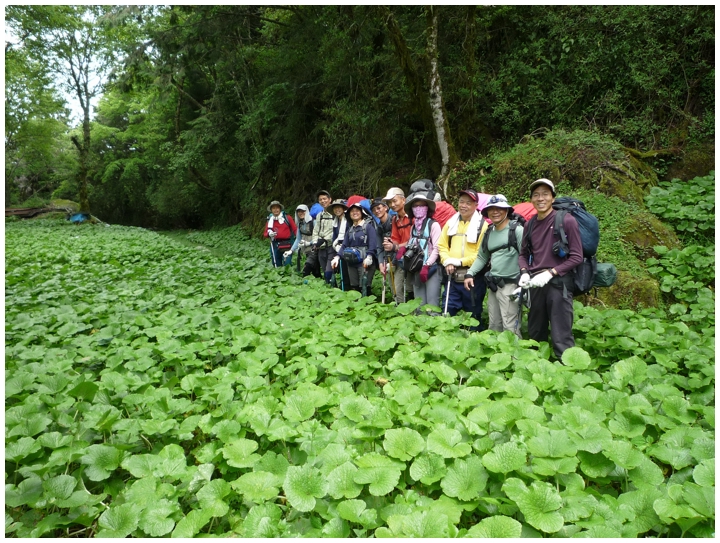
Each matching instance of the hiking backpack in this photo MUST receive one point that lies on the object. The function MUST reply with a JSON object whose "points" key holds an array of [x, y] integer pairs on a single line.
{"points": [[512, 237], [584, 274]]}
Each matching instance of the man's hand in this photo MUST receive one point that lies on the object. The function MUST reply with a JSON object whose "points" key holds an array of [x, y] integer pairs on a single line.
{"points": [[272, 234], [335, 261], [451, 264], [524, 281], [286, 254], [469, 283], [382, 267], [387, 244], [541, 279], [367, 262]]}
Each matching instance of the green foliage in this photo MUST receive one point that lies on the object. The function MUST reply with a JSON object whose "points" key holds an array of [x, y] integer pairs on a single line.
{"points": [[154, 390], [689, 206]]}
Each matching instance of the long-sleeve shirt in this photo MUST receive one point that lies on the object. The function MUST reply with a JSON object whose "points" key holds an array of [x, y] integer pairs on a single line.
{"points": [[401, 230], [430, 246], [458, 246], [305, 231], [384, 230], [284, 231], [323, 228], [542, 244], [354, 237], [504, 261]]}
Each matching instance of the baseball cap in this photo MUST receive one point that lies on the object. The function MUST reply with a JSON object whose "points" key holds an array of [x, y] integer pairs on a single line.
{"points": [[470, 193], [377, 202], [394, 191], [543, 181]]}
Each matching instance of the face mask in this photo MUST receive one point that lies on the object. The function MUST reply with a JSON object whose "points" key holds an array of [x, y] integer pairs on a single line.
{"points": [[420, 212]]}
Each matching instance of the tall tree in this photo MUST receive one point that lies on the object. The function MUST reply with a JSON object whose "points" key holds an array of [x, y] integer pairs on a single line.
{"points": [[77, 47]]}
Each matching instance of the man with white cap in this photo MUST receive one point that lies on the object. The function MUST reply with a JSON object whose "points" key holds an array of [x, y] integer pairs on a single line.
{"points": [[547, 272], [500, 247], [399, 236]]}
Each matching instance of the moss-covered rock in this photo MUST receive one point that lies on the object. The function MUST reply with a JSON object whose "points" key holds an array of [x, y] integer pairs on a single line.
{"points": [[644, 231], [630, 291], [577, 159], [695, 161]]}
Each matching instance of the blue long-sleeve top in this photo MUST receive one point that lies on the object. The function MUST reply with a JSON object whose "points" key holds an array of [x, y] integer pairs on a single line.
{"points": [[354, 237]]}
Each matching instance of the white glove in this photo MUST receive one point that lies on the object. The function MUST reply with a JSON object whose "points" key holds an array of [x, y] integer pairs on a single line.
{"points": [[272, 234], [524, 281], [335, 261], [453, 262], [287, 254], [368, 261], [541, 280]]}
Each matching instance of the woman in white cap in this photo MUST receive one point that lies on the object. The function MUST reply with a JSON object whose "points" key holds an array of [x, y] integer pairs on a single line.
{"points": [[424, 234], [281, 230], [303, 242]]}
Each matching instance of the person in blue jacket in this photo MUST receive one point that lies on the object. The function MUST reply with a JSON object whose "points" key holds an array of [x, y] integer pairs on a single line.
{"points": [[359, 248]]}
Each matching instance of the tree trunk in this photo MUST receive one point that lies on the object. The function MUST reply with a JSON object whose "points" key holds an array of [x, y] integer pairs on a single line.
{"points": [[437, 105], [415, 82]]}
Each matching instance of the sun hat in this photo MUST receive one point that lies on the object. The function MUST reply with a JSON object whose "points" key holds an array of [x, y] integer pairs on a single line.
{"points": [[356, 205], [542, 181], [500, 201], [419, 197], [338, 202], [275, 203], [394, 191]]}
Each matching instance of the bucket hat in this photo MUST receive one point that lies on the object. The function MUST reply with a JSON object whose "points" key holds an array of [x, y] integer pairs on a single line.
{"points": [[419, 197], [500, 201], [275, 203]]}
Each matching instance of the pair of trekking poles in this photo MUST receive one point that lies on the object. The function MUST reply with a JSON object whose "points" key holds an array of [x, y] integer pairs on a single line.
{"points": [[363, 280]]}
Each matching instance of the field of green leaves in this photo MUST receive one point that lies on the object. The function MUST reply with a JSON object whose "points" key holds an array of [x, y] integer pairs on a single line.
{"points": [[155, 389]]}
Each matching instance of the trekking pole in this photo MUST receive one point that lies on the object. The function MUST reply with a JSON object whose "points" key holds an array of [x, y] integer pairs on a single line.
{"points": [[297, 265], [342, 279], [272, 252], [520, 308], [383, 291], [392, 280], [447, 295], [363, 281]]}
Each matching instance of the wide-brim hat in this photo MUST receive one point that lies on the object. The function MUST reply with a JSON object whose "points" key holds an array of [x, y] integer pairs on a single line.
{"points": [[338, 202], [356, 205], [542, 181], [419, 197], [275, 203], [497, 200]]}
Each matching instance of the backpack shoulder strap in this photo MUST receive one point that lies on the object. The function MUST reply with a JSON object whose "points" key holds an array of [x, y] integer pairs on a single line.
{"points": [[528, 231], [485, 240], [559, 228]]}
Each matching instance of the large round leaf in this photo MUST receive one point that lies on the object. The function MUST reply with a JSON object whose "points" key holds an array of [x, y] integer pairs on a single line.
{"points": [[465, 479], [257, 486], [378, 471], [341, 482], [496, 527], [428, 468], [448, 443], [403, 443], [505, 458], [302, 485], [119, 521], [539, 503]]}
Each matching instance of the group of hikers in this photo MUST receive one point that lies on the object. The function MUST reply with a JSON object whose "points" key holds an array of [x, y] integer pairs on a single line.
{"points": [[421, 243]]}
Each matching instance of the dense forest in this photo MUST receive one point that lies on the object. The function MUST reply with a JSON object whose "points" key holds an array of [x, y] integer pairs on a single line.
{"points": [[195, 116]]}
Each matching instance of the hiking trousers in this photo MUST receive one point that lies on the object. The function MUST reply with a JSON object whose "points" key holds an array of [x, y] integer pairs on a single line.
{"points": [[460, 298], [401, 287], [355, 277], [548, 306], [429, 291], [502, 310]]}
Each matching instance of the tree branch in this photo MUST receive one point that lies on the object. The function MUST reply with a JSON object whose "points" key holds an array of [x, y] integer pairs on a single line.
{"points": [[191, 98]]}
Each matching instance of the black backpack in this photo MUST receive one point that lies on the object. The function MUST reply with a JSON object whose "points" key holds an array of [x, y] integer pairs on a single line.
{"points": [[584, 274], [512, 237]]}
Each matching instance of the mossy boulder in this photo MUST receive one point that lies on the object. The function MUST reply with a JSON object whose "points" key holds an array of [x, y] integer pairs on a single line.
{"points": [[572, 160], [645, 231], [630, 291], [696, 161]]}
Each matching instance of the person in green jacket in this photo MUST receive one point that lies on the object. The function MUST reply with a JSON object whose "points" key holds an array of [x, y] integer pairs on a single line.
{"points": [[501, 247]]}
